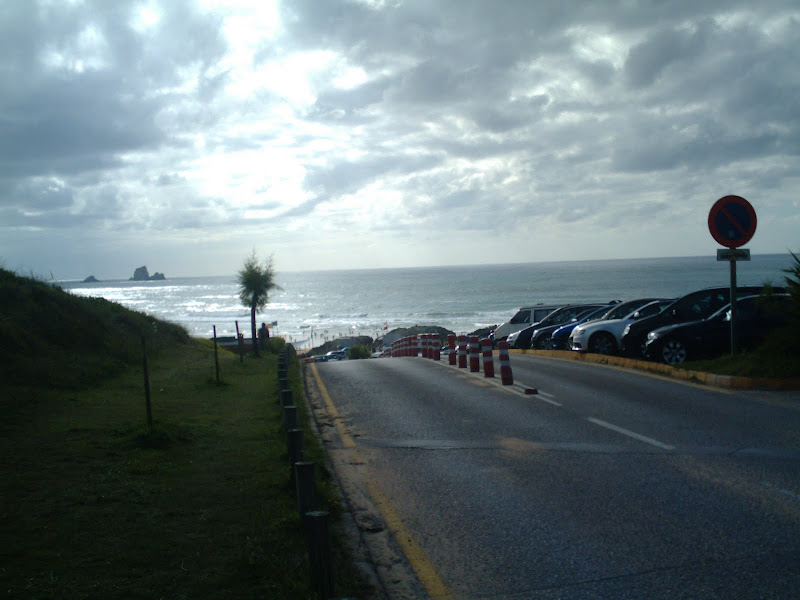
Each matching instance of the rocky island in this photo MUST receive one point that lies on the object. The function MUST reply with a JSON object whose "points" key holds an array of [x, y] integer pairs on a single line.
{"points": [[91, 279], [141, 274]]}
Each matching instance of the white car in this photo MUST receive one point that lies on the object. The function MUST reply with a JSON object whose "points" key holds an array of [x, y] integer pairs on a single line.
{"points": [[603, 337], [524, 317]]}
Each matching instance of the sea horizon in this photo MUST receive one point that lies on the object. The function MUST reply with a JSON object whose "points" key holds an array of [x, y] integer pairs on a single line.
{"points": [[427, 267], [317, 306]]}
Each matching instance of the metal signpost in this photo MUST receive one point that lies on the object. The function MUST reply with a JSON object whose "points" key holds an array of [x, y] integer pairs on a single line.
{"points": [[732, 223]]}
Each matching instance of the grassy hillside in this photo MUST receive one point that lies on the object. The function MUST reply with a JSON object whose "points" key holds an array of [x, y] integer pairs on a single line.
{"points": [[95, 504], [51, 338]]}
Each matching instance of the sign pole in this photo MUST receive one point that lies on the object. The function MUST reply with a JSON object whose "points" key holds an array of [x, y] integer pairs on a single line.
{"points": [[733, 305], [732, 222]]}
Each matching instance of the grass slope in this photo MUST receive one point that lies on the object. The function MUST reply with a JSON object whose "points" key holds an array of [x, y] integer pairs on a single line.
{"points": [[93, 504]]}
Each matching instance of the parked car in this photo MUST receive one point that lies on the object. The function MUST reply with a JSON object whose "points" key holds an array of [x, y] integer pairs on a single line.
{"points": [[524, 317], [691, 307], [540, 336], [561, 337], [756, 318], [603, 337]]}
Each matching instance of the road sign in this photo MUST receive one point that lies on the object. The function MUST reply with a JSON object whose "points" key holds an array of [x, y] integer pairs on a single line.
{"points": [[733, 254], [732, 221]]}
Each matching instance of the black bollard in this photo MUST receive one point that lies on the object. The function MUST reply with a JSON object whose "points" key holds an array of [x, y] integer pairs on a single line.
{"points": [[319, 554], [294, 441], [306, 487], [289, 417]]}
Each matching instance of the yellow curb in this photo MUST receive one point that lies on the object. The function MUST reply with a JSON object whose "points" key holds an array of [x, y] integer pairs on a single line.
{"points": [[723, 381]]}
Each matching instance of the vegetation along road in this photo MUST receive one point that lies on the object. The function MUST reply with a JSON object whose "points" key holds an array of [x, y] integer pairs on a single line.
{"points": [[605, 484]]}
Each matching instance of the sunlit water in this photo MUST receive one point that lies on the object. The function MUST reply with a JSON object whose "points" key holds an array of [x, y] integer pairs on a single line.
{"points": [[316, 306]]}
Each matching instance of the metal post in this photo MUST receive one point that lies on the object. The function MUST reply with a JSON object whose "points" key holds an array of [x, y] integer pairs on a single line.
{"points": [[147, 386], [733, 303], [216, 354]]}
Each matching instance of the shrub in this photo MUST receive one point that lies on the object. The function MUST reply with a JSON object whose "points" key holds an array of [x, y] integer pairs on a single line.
{"points": [[358, 351]]}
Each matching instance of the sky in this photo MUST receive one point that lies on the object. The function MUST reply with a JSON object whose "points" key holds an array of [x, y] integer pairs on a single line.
{"points": [[185, 134]]}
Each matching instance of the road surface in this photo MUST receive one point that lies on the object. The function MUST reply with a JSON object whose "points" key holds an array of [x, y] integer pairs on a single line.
{"points": [[605, 484]]}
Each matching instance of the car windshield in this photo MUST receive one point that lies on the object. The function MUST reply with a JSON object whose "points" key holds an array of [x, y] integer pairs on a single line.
{"points": [[522, 316], [594, 313], [651, 309], [625, 309]]}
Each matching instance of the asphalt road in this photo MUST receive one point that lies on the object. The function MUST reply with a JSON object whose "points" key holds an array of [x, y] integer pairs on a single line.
{"points": [[605, 484]]}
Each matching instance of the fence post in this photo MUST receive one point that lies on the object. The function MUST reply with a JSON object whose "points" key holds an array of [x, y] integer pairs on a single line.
{"points": [[216, 354], [239, 342], [147, 386]]}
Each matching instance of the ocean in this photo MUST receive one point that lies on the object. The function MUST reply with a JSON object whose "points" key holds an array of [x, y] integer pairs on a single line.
{"points": [[317, 306]]}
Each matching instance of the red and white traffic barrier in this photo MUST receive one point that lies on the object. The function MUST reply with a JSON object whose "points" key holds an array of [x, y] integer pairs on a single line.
{"points": [[488, 359], [462, 352], [451, 343], [506, 376], [474, 354]]}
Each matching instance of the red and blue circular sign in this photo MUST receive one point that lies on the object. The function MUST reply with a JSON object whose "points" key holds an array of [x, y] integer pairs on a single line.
{"points": [[732, 221]]}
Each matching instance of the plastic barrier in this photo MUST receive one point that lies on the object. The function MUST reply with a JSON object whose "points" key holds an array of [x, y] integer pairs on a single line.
{"points": [[488, 359], [451, 343], [506, 375], [474, 354], [462, 352]]}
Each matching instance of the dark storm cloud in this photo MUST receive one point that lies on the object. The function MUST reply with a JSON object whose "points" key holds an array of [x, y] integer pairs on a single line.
{"points": [[82, 86]]}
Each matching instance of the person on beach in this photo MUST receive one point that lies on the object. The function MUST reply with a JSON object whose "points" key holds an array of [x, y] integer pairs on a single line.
{"points": [[263, 336]]}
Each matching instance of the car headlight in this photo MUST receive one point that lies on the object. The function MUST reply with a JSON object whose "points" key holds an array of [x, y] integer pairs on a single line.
{"points": [[627, 330], [652, 335]]}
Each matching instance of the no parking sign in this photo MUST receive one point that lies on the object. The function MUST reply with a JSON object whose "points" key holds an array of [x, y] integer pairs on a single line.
{"points": [[732, 221]]}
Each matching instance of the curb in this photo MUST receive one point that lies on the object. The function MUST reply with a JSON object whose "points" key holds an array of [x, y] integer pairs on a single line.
{"points": [[724, 381]]}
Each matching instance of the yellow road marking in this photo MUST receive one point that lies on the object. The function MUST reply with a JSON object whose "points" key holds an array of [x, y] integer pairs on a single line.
{"points": [[428, 576], [346, 438]]}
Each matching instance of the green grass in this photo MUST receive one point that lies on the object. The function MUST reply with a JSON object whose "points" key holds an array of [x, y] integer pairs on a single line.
{"points": [[94, 504], [778, 358]]}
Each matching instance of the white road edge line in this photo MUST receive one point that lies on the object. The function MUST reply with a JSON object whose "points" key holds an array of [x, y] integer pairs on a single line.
{"points": [[632, 434]]}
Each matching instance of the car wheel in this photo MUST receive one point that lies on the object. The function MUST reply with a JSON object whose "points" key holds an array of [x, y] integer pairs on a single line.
{"points": [[673, 352], [603, 343], [543, 343]]}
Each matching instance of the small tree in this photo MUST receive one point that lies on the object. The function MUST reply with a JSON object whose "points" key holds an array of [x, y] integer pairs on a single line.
{"points": [[256, 281]]}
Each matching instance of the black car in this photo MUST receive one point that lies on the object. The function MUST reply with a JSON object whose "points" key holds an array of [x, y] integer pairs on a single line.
{"points": [[691, 307], [541, 331], [756, 318]]}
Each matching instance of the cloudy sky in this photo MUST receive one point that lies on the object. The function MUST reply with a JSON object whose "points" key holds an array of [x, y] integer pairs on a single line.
{"points": [[182, 134]]}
